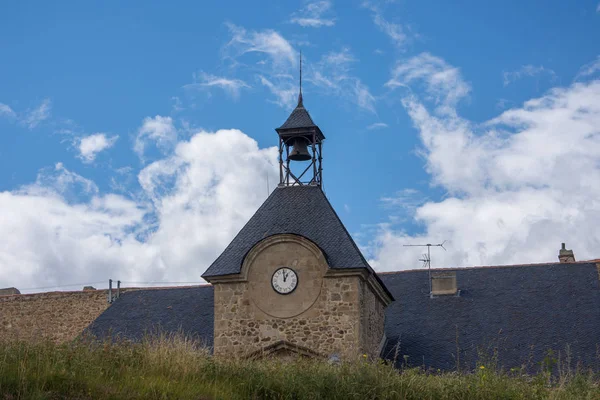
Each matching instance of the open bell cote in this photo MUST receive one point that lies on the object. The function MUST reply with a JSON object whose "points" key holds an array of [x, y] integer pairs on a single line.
{"points": [[300, 141]]}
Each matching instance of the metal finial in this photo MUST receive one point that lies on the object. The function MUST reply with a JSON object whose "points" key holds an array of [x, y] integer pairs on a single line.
{"points": [[300, 104]]}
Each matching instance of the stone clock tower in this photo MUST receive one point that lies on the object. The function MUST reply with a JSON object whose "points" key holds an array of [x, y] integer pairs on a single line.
{"points": [[293, 282]]}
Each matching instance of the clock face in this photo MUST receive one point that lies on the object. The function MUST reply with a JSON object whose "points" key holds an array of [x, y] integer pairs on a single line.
{"points": [[284, 280]]}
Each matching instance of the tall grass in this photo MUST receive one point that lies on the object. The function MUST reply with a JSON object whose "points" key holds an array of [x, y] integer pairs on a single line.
{"points": [[176, 368]]}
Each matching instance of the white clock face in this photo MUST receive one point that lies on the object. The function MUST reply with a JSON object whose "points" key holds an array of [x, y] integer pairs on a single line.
{"points": [[284, 280]]}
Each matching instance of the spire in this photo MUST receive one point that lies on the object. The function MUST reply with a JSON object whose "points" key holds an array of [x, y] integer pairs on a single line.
{"points": [[300, 104]]}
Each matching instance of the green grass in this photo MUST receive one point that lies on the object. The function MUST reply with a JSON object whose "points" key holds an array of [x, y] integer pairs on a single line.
{"points": [[175, 368]]}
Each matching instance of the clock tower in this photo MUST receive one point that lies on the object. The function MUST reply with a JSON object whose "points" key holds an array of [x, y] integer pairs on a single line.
{"points": [[293, 282]]}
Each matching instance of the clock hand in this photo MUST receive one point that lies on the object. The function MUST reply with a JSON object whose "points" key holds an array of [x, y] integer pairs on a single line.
{"points": [[285, 276]]}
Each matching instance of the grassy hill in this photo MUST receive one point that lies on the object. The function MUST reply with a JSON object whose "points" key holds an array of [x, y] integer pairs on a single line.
{"points": [[175, 368]]}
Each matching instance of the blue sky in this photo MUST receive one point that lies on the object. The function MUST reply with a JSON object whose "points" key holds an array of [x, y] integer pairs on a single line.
{"points": [[135, 140]]}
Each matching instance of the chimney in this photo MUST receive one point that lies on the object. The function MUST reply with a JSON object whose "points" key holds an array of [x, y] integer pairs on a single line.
{"points": [[566, 256], [443, 283]]}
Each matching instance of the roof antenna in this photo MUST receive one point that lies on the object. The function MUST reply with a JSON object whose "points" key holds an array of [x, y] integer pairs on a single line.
{"points": [[427, 258], [300, 104]]}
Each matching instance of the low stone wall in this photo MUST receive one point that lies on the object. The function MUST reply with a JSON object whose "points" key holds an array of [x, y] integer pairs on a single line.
{"points": [[55, 316]]}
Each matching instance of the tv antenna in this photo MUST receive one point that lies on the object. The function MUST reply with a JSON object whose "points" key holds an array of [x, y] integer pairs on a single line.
{"points": [[427, 257]]}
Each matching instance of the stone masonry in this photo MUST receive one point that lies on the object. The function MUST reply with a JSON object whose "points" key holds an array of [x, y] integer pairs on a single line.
{"points": [[330, 326], [372, 315], [55, 316], [327, 313]]}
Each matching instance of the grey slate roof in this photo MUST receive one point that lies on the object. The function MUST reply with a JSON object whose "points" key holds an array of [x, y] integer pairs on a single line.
{"points": [[521, 310], [299, 118], [148, 312], [300, 210]]}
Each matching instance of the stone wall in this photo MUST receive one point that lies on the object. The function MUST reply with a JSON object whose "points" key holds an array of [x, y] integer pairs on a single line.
{"points": [[330, 326], [329, 312], [55, 316], [372, 325]]}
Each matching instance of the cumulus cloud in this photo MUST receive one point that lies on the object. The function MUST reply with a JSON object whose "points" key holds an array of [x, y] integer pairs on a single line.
{"points": [[527, 71], [517, 185], [192, 203], [90, 146], [314, 15], [233, 87], [34, 117], [159, 131]]}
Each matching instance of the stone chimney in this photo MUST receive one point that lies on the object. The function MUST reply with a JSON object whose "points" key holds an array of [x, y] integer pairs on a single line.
{"points": [[566, 256]]}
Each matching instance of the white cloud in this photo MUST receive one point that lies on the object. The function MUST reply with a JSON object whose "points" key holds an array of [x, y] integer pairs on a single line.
{"points": [[268, 42], [158, 130], [442, 82], [333, 75], [284, 89], [396, 32], [588, 69], [91, 145], [5, 110], [363, 97], [276, 67], [377, 125], [406, 199], [279, 75], [517, 185], [527, 71], [313, 15], [230, 86], [193, 202], [60, 181], [34, 117]]}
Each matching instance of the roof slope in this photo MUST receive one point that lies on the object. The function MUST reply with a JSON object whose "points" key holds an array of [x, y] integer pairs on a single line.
{"points": [[299, 118], [300, 210], [520, 311], [146, 312]]}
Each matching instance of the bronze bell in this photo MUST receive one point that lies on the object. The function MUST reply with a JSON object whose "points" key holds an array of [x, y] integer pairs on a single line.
{"points": [[300, 150]]}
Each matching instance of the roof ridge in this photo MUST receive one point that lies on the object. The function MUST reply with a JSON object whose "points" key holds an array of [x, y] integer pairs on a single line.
{"points": [[468, 268]]}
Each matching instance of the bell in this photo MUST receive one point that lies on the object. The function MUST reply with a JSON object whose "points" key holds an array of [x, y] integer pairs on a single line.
{"points": [[300, 150]]}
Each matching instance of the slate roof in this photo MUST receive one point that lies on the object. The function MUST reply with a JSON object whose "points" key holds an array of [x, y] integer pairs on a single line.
{"points": [[300, 210], [522, 311], [299, 118], [138, 313]]}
